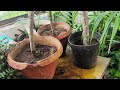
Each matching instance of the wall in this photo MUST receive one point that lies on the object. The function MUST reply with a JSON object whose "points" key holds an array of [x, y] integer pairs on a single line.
{"points": [[11, 30]]}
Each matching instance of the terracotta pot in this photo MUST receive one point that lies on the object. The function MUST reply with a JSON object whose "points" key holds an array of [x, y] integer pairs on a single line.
{"points": [[42, 69], [62, 37]]}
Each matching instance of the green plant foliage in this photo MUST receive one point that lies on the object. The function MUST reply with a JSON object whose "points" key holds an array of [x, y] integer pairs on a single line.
{"points": [[105, 31], [116, 25], [102, 23], [6, 72], [99, 21], [114, 66], [107, 24], [68, 17]]}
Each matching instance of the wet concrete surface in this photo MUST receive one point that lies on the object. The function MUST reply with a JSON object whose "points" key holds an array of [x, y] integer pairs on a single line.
{"points": [[67, 70]]}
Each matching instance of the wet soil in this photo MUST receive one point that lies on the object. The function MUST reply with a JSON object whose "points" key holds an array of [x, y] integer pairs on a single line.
{"points": [[56, 31], [42, 52]]}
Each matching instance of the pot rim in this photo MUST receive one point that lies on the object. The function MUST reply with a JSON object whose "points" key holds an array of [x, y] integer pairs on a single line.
{"points": [[81, 45], [69, 30], [42, 62]]}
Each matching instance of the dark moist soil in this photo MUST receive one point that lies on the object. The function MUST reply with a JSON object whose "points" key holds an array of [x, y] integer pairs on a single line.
{"points": [[42, 51], [57, 31], [94, 41]]}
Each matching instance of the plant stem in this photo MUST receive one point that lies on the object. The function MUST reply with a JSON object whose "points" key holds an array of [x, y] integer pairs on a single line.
{"points": [[31, 35], [85, 33], [51, 21], [52, 26]]}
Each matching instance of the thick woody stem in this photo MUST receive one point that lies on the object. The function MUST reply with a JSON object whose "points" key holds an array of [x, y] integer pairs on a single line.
{"points": [[51, 21], [85, 33], [31, 35]]}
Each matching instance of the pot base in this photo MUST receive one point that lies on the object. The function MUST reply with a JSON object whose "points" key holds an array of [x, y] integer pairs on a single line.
{"points": [[38, 72], [83, 66]]}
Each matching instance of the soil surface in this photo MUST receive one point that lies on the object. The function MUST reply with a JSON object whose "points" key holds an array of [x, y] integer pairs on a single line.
{"points": [[42, 51], [94, 41], [57, 31]]}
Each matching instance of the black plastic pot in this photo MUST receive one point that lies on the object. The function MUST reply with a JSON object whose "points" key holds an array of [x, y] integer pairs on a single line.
{"points": [[64, 42], [84, 56]]}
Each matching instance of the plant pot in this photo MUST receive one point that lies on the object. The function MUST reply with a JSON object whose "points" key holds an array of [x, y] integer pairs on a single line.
{"points": [[40, 23], [62, 37], [84, 56], [42, 69]]}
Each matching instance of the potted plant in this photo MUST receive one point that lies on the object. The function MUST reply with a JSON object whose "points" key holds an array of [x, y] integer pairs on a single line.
{"points": [[58, 30], [40, 19], [84, 50], [36, 57]]}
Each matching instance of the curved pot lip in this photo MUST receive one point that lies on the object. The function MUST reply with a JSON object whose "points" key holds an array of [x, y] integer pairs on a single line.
{"points": [[80, 45], [41, 62], [63, 35]]}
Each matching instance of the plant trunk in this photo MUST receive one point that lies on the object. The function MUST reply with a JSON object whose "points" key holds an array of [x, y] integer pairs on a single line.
{"points": [[51, 21], [85, 34], [52, 26], [31, 35]]}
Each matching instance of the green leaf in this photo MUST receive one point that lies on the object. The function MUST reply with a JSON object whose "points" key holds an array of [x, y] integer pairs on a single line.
{"points": [[7, 70], [96, 23], [65, 15], [117, 74], [92, 19], [103, 45], [117, 55], [4, 73], [75, 13], [69, 23], [77, 28], [104, 33], [1, 75], [1, 57], [116, 25]]}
